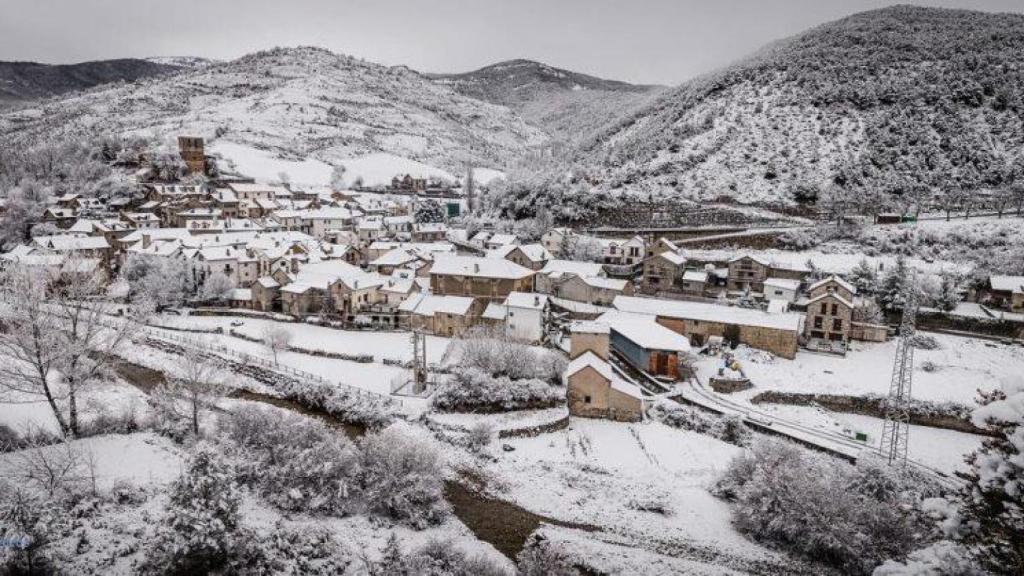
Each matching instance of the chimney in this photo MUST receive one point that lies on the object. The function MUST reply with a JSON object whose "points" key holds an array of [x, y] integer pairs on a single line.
{"points": [[146, 240], [536, 300], [476, 267]]}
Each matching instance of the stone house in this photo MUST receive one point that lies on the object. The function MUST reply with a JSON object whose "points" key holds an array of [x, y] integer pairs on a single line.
{"points": [[595, 290], [478, 277], [748, 273], [593, 388], [828, 321], [777, 333], [439, 315], [532, 256], [663, 272]]}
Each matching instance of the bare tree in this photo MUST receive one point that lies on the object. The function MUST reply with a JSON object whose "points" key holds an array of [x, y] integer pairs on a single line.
{"points": [[197, 383], [276, 339], [59, 335]]}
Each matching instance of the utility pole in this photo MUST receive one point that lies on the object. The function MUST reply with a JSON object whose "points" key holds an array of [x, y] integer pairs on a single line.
{"points": [[896, 432]]}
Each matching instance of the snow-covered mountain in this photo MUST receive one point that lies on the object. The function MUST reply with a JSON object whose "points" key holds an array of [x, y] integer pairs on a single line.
{"points": [[899, 102], [567, 104], [295, 103], [183, 61], [21, 81]]}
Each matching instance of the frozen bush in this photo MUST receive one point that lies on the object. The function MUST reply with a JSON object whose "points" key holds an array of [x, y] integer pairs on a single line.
{"points": [[541, 558], [200, 529], [492, 351], [925, 342], [480, 436], [944, 558], [309, 550], [726, 428], [435, 558], [853, 517], [401, 477], [29, 519], [295, 463], [473, 390]]}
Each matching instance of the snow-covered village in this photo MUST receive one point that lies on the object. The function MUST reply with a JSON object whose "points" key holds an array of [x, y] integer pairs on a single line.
{"points": [[754, 307]]}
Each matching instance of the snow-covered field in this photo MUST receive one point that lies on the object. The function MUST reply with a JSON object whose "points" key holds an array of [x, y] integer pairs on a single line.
{"points": [[962, 366], [266, 166], [616, 477], [381, 345], [943, 450]]}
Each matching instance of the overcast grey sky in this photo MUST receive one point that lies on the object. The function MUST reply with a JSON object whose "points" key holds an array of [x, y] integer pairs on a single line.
{"points": [[652, 41]]}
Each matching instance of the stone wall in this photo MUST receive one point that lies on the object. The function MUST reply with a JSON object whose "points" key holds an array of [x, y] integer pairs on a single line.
{"points": [[921, 413]]}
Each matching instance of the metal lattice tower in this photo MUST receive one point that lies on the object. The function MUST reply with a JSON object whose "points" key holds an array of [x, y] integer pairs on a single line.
{"points": [[419, 363], [896, 432]]}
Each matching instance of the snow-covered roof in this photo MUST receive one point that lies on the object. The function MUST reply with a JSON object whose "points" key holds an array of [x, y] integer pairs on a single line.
{"points": [[66, 243], [833, 278], [427, 304], [503, 239], [835, 295], [589, 327], [695, 275], [156, 234], [447, 265], [783, 283], [495, 311], [673, 257], [526, 300], [707, 312], [396, 257], [644, 331], [606, 283], [268, 282], [574, 267], [1007, 283], [756, 258]]}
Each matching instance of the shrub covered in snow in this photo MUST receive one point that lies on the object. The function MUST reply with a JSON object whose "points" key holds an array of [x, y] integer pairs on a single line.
{"points": [[27, 521], [853, 517], [293, 462], [401, 477], [201, 522], [727, 428], [492, 351], [370, 410], [473, 390], [435, 558], [541, 558], [309, 550]]}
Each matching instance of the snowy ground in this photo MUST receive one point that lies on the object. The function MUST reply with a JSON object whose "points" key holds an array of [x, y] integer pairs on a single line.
{"points": [[943, 450], [613, 476], [962, 366], [266, 166], [374, 376]]}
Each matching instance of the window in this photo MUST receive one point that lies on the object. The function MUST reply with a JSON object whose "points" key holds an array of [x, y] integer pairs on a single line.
{"points": [[824, 308], [837, 324], [586, 399], [817, 322], [778, 292], [835, 309]]}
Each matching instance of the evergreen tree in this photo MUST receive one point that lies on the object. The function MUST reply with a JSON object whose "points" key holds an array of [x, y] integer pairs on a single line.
{"points": [[863, 277], [949, 296], [994, 501], [891, 292]]}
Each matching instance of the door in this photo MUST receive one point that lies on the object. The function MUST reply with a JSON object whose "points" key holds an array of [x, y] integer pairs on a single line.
{"points": [[661, 364]]}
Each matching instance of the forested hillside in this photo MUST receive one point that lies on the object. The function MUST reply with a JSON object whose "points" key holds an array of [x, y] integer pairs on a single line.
{"points": [[568, 105], [21, 81], [297, 102], [893, 107]]}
